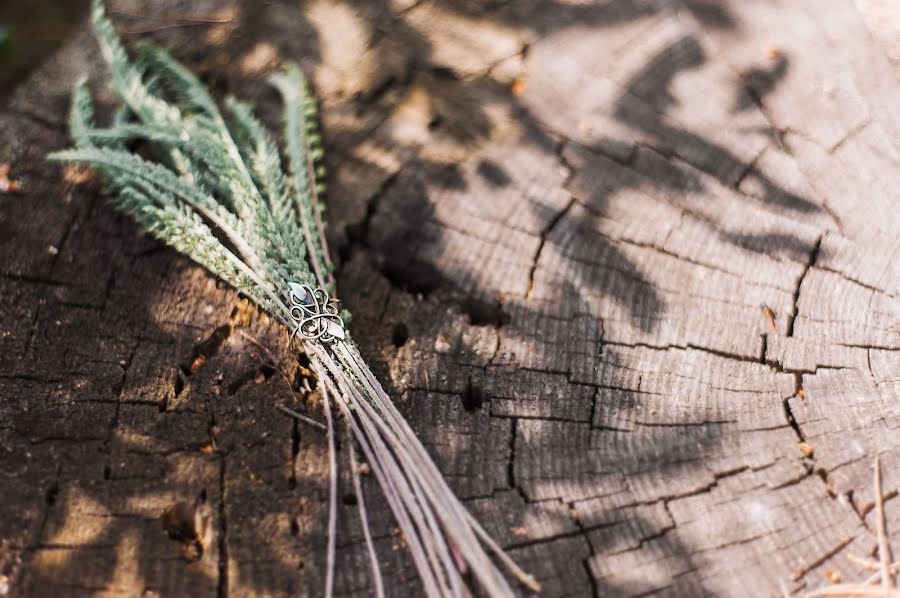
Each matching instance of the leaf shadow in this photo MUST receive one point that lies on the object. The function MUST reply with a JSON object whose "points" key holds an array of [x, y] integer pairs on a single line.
{"points": [[268, 513]]}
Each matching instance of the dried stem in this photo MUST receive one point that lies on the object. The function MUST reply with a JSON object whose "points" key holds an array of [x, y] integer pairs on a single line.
{"points": [[364, 520], [375, 455], [303, 418], [332, 498]]}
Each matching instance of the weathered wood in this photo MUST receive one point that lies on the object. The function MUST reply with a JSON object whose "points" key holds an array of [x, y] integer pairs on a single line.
{"points": [[632, 271]]}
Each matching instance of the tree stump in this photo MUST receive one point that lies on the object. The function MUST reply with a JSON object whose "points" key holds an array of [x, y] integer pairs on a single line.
{"points": [[631, 270]]}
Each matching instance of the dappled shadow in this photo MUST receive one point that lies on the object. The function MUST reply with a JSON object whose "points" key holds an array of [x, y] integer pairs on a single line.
{"points": [[651, 88], [759, 82], [433, 211], [544, 18], [412, 235], [158, 407], [529, 446], [131, 394]]}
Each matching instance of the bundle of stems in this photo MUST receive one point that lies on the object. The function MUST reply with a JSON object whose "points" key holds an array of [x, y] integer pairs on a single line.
{"points": [[213, 187]]}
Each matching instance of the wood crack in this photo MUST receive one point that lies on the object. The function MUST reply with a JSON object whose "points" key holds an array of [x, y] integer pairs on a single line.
{"points": [[543, 239], [814, 254]]}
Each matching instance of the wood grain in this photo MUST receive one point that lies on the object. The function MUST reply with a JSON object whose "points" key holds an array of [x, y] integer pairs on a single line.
{"points": [[565, 232]]}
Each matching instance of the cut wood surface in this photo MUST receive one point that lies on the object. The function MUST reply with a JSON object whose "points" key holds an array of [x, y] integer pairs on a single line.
{"points": [[631, 270]]}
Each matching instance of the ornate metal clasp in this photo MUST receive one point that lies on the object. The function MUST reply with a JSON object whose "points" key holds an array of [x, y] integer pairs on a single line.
{"points": [[315, 313]]}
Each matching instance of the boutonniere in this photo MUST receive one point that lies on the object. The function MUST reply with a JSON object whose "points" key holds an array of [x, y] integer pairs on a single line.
{"points": [[211, 185]]}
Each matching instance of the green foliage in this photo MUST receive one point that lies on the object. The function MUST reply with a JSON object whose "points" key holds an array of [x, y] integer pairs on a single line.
{"points": [[209, 186]]}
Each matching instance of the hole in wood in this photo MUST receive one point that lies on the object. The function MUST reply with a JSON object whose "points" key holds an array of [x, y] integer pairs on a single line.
{"points": [[484, 313], [473, 397], [400, 334]]}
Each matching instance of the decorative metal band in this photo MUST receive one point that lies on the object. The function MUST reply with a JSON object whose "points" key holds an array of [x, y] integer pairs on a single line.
{"points": [[315, 314]]}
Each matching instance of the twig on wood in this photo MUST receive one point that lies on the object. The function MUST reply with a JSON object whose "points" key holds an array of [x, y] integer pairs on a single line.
{"points": [[849, 590], [303, 418], [883, 567], [877, 576], [867, 564], [871, 565]]}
